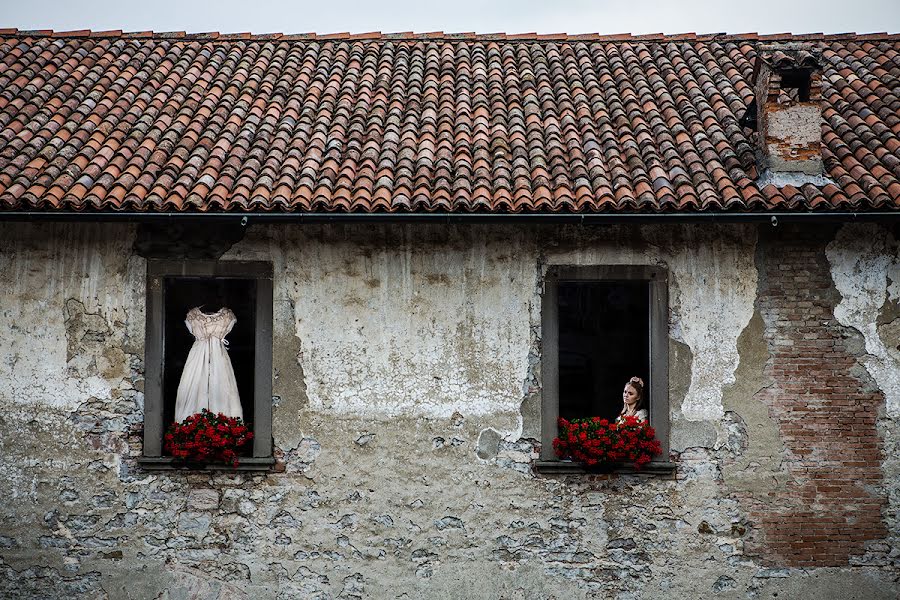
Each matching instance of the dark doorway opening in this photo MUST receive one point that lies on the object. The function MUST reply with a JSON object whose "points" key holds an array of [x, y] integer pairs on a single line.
{"points": [[181, 294], [604, 340]]}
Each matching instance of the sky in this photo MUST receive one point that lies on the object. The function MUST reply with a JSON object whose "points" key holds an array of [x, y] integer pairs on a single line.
{"points": [[481, 16]]}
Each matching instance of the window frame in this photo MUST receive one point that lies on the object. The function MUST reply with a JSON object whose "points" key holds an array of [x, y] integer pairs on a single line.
{"points": [[154, 364], [658, 280]]}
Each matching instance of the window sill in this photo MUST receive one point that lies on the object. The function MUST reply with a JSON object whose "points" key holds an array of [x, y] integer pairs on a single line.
{"points": [[568, 467], [166, 463]]}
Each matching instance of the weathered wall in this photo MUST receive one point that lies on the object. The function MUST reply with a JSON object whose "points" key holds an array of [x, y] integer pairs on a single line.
{"points": [[407, 402]]}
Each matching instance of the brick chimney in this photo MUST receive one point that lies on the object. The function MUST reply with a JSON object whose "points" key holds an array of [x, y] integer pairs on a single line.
{"points": [[788, 83]]}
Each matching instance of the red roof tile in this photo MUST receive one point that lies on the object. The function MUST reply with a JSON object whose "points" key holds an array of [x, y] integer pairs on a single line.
{"points": [[111, 121]]}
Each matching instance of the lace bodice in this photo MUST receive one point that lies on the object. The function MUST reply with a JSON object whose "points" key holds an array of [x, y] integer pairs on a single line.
{"points": [[204, 326]]}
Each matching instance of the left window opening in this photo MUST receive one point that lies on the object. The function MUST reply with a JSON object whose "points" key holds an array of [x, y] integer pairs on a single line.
{"points": [[209, 294], [174, 287]]}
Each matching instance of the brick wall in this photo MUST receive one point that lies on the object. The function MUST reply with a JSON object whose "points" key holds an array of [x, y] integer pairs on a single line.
{"points": [[832, 504]]}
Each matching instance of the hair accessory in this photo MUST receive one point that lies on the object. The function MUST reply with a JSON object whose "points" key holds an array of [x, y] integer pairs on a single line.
{"points": [[637, 380]]}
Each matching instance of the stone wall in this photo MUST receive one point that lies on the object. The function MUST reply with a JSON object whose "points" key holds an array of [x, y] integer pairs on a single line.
{"points": [[407, 403]]}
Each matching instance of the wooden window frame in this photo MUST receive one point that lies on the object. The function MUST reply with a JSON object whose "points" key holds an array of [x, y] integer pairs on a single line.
{"points": [[154, 344], [658, 280]]}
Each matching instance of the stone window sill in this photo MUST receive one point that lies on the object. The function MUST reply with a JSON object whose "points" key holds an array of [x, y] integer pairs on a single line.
{"points": [[165, 463], [568, 467]]}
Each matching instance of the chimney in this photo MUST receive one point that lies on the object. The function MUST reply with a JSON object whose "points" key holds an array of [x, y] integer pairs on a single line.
{"points": [[788, 84]]}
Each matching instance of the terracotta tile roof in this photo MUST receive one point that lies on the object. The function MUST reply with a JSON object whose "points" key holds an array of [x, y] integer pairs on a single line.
{"points": [[408, 122]]}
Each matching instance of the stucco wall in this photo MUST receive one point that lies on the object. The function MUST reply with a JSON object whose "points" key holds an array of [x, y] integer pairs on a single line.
{"points": [[407, 402]]}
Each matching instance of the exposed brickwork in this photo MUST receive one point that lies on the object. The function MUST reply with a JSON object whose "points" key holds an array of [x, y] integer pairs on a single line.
{"points": [[831, 505]]}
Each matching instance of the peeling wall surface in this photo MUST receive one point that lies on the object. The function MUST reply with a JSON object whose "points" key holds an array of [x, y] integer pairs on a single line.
{"points": [[865, 267], [406, 382]]}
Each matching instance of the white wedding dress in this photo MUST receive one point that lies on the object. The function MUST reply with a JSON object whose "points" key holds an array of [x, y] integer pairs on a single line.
{"points": [[208, 378]]}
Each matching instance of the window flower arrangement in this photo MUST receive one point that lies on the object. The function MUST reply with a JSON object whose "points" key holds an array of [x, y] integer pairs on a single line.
{"points": [[594, 441], [207, 437]]}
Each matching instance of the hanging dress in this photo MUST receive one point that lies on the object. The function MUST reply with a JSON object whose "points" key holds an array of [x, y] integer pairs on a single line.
{"points": [[208, 378]]}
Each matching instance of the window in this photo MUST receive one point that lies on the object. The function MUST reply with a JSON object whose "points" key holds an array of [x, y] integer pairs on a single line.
{"points": [[173, 288], [601, 326]]}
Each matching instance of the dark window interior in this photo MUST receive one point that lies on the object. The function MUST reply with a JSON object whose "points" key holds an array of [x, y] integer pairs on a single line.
{"points": [[796, 84], [604, 340], [210, 294]]}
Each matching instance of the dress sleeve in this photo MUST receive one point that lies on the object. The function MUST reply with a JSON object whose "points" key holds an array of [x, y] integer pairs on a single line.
{"points": [[231, 321], [642, 414], [187, 321]]}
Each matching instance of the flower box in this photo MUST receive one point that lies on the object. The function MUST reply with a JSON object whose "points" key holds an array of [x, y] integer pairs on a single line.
{"points": [[601, 444], [206, 438]]}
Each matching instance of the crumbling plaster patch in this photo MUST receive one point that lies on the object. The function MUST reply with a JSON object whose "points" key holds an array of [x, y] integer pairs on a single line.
{"points": [[756, 443], [714, 291], [403, 320], [865, 268], [59, 283]]}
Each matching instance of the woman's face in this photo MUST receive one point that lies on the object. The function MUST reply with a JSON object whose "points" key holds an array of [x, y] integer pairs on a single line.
{"points": [[629, 395]]}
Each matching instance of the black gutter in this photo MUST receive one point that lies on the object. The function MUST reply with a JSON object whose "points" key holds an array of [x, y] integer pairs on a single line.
{"points": [[774, 218]]}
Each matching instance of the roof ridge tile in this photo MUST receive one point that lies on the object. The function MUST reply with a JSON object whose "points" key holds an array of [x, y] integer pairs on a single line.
{"points": [[299, 37], [750, 35], [371, 35], [440, 35], [649, 37]]}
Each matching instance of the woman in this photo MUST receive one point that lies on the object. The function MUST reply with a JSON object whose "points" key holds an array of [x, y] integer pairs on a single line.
{"points": [[633, 400]]}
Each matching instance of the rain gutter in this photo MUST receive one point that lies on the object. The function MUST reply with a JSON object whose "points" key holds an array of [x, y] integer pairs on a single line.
{"points": [[774, 218]]}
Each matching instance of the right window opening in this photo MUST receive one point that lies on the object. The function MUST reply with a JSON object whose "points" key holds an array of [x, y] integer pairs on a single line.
{"points": [[602, 325], [604, 329]]}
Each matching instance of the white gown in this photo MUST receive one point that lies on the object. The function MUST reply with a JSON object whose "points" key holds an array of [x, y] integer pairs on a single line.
{"points": [[208, 378]]}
